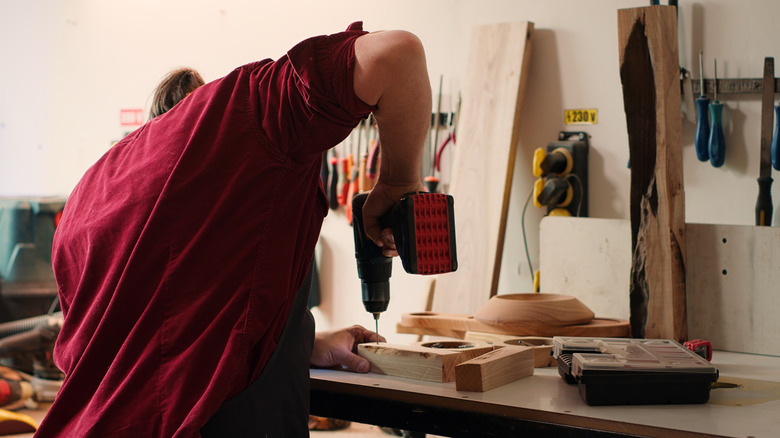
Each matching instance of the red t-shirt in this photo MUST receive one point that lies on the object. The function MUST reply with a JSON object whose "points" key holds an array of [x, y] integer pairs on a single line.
{"points": [[181, 250]]}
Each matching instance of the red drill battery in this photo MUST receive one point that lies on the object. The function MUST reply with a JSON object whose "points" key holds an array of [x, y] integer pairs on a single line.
{"points": [[424, 231]]}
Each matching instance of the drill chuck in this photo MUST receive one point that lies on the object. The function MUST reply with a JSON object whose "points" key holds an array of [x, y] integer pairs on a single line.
{"points": [[374, 277], [376, 296]]}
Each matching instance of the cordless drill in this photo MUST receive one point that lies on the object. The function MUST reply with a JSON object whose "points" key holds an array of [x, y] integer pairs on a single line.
{"points": [[424, 231]]}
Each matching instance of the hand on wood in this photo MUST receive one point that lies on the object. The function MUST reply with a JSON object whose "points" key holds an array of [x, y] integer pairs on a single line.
{"points": [[339, 348]]}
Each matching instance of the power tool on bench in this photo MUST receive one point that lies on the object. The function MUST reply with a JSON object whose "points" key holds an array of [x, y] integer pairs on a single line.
{"points": [[423, 227]]}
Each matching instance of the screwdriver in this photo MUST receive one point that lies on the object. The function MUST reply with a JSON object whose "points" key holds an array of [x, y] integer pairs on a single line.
{"points": [[343, 183], [431, 182], [717, 143], [702, 123], [363, 181], [764, 202], [776, 140], [333, 185], [353, 182]]}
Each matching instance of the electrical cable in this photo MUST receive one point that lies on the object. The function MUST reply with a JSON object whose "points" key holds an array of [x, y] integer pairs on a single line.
{"points": [[525, 239], [579, 185]]}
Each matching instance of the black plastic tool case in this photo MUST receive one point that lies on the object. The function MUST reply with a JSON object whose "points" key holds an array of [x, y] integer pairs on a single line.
{"points": [[619, 371]]}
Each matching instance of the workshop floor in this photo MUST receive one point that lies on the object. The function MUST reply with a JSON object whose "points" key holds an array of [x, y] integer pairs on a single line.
{"points": [[357, 430]]}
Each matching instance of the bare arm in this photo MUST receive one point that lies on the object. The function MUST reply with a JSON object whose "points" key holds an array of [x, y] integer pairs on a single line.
{"points": [[391, 72]]}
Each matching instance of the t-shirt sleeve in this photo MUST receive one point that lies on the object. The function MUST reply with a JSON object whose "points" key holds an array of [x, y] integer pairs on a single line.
{"points": [[305, 101], [324, 69]]}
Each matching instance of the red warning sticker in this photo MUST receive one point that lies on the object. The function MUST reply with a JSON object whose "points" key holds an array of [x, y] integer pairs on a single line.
{"points": [[131, 117]]}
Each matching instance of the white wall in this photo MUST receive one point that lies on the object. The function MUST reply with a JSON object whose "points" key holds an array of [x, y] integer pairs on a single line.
{"points": [[69, 66]]}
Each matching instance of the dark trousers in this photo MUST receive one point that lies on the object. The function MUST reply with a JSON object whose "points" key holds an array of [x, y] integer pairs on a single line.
{"points": [[277, 403]]}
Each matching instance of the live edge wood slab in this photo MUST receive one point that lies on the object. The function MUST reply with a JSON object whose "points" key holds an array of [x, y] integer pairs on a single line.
{"points": [[432, 361], [650, 74]]}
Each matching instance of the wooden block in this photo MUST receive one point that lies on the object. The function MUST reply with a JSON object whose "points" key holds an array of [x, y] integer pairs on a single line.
{"points": [[650, 74], [494, 369], [542, 346], [420, 361], [483, 165]]}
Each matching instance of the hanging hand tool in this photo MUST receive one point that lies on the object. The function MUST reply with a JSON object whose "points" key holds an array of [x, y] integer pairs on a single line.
{"points": [[776, 140], [343, 182], [764, 202], [364, 183], [431, 182], [702, 123], [333, 183], [424, 231], [324, 170], [717, 145], [352, 185], [451, 137], [373, 159]]}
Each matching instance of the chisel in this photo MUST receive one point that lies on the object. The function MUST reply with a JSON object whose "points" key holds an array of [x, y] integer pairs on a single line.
{"points": [[776, 140], [764, 202]]}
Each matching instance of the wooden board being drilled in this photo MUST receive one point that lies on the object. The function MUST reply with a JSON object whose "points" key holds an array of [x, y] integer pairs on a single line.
{"points": [[432, 361]]}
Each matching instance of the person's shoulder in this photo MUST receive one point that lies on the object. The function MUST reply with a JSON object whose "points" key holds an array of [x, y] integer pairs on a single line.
{"points": [[252, 66]]}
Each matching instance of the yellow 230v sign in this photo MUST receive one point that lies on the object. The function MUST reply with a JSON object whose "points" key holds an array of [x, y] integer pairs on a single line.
{"points": [[580, 116]]}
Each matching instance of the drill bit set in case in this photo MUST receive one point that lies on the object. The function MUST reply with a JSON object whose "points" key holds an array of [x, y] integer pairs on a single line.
{"points": [[618, 371]]}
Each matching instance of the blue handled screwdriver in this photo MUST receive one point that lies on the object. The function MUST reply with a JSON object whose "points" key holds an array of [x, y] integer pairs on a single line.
{"points": [[702, 123], [717, 142]]}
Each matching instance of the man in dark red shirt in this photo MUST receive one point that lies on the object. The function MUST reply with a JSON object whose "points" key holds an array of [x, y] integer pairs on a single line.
{"points": [[181, 252]]}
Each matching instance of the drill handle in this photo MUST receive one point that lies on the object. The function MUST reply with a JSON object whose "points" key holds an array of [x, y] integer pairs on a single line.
{"points": [[374, 269]]}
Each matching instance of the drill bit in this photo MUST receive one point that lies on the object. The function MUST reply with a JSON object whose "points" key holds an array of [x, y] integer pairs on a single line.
{"points": [[376, 322]]}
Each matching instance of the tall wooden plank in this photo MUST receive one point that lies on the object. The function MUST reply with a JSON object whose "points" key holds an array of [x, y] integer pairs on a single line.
{"points": [[649, 71], [483, 166]]}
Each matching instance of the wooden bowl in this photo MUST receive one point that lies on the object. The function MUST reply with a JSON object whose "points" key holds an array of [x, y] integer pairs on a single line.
{"points": [[529, 310]]}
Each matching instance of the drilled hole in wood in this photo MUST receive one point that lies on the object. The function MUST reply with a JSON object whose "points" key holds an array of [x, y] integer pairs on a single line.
{"points": [[724, 272], [423, 314], [724, 240], [529, 342]]}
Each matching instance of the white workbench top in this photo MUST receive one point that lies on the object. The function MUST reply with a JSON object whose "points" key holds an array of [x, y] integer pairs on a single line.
{"points": [[546, 397]]}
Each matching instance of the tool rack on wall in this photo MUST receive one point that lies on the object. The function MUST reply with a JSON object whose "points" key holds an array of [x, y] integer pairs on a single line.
{"points": [[732, 86]]}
